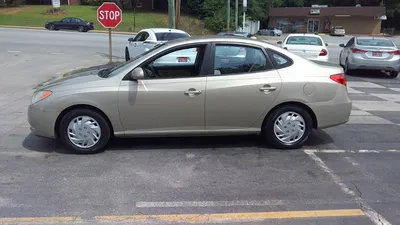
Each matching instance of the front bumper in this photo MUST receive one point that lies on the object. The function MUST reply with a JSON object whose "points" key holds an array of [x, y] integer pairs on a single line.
{"points": [[357, 62], [42, 122]]}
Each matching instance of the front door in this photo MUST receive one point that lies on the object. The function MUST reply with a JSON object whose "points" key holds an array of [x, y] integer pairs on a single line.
{"points": [[313, 26], [170, 98], [243, 86], [136, 47]]}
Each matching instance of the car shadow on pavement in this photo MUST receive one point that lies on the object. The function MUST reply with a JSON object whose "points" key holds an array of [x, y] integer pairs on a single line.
{"points": [[38, 144], [370, 74]]}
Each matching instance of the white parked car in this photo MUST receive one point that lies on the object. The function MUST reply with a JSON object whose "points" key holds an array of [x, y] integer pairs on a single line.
{"points": [[147, 39], [309, 46]]}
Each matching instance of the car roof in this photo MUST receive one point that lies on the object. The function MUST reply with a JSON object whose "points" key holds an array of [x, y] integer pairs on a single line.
{"points": [[305, 35], [370, 38], [165, 30], [218, 38]]}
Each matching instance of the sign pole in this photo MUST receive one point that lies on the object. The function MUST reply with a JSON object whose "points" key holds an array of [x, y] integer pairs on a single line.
{"points": [[110, 45]]}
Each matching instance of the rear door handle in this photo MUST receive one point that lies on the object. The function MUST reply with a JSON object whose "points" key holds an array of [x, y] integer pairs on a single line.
{"points": [[265, 88]]}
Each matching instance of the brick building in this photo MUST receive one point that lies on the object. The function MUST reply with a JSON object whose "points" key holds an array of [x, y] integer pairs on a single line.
{"points": [[356, 20]]}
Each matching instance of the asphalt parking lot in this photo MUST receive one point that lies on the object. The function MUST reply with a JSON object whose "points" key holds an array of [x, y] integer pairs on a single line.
{"points": [[343, 175]]}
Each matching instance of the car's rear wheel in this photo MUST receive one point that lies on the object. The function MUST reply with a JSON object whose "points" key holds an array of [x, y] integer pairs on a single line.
{"points": [[84, 131], [127, 57], [272, 33], [81, 29], [288, 127], [393, 74]]}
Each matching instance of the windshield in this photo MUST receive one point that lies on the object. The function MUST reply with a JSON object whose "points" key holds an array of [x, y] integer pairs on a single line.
{"points": [[301, 40], [338, 27], [375, 42], [120, 67], [168, 36]]}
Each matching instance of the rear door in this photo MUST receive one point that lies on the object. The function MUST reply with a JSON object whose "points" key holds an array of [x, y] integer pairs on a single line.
{"points": [[242, 87]]}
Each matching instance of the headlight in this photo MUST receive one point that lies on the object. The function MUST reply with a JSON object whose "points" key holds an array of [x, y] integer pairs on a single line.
{"points": [[40, 95]]}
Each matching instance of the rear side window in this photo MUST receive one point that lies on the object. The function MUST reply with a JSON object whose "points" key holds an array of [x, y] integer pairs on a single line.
{"points": [[235, 59], [168, 36], [301, 40], [375, 42], [279, 60]]}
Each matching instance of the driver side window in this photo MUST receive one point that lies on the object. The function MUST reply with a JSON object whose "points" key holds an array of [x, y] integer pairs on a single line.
{"points": [[350, 42], [142, 36], [179, 63]]}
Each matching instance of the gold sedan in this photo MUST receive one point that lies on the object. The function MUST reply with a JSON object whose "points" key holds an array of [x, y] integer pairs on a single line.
{"points": [[195, 86]]}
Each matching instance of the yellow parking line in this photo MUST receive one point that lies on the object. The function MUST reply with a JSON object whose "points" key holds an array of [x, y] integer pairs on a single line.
{"points": [[40, 220], [198, 218]]}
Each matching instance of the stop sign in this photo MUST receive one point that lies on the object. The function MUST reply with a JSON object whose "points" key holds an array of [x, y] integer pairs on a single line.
{"points": [[109, 15]]}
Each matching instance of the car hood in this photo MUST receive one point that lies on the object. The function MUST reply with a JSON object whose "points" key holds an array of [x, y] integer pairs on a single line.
{"points": [[73, 81]]}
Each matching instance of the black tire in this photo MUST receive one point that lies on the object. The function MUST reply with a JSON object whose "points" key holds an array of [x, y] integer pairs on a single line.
{"points": [[102, 123], [340, 61], [393, 74], [269, 135], [127, 57], [52, 27], [346, 68], [272, 33], [81, 29]]}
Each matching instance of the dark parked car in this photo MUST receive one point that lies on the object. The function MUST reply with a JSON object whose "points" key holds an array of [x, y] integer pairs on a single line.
{"points": [[70, 23]]}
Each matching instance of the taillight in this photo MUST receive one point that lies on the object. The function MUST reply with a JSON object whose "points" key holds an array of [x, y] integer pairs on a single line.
{"points": [[339, 78], [356, 50], [395, 52], [323, 52]]}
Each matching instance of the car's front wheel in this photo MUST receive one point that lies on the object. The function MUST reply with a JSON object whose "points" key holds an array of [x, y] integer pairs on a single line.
{"points": [[287, 127], [272, 33], [394, 74], [52, 27], [84, 131]]}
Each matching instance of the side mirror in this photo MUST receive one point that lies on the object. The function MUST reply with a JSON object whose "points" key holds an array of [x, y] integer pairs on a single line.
{"points": [[137, 74], [130, 39], [279, 42], [326, 44], [341, 45]]}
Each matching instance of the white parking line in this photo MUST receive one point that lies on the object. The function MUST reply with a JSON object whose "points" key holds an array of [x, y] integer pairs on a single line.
{"points": [[11, 51], [352, 151], [186, 204], [57, 53], [373, 215]]}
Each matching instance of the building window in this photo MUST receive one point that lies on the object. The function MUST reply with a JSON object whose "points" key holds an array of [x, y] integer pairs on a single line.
{"points": [[138, 4]]}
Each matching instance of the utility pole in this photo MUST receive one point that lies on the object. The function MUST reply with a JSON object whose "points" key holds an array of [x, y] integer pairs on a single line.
{"points": [[171, 14], [236, 14], [228, 14], [178, 14], [244, 13]]}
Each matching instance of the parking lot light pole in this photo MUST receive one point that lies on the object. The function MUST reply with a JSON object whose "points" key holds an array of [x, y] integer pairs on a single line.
{"points": [[171, 14], [236, 14]]}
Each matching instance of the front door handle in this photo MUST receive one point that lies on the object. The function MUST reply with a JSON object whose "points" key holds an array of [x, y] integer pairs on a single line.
{"points": [[267, 88], [192, 92]]}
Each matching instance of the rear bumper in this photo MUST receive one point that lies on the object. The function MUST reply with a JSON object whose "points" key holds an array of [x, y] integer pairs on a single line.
{"points": [[334, 112], [356, 62]]}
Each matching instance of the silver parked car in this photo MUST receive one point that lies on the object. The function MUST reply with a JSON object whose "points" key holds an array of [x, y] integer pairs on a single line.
{"points": [[338, 31], [370, 53], [252, 87], [270, 32]]}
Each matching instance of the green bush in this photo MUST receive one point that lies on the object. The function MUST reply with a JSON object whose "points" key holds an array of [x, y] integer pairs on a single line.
{"points": [[12, 3]]}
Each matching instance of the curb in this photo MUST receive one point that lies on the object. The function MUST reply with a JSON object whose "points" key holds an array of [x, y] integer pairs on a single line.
{"points": [[42, 28]]}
